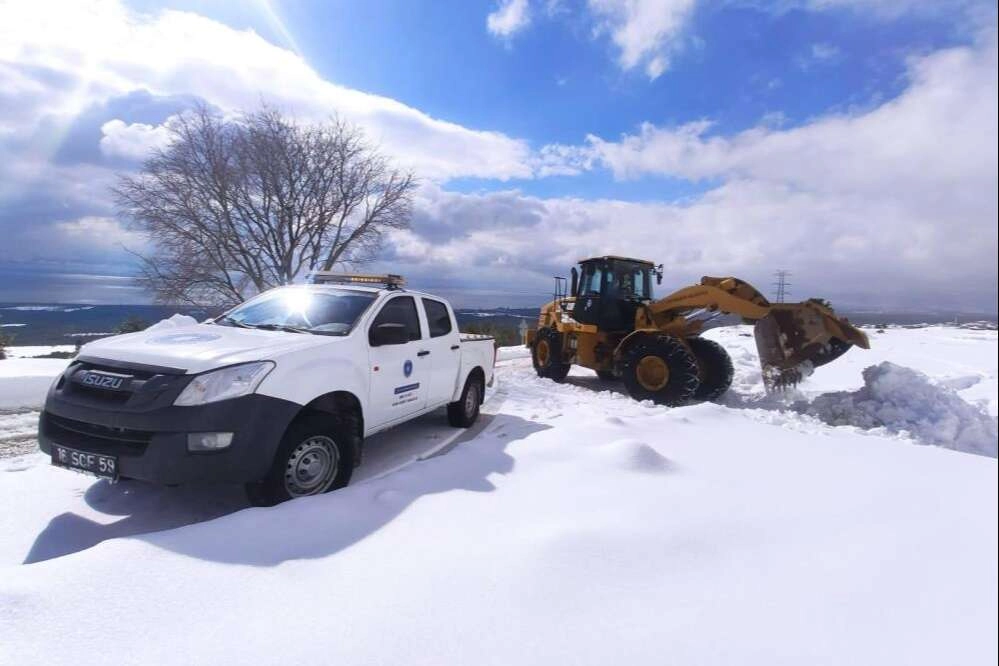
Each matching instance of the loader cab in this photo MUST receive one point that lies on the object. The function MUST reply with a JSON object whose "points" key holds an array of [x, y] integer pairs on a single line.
{"points": [[610, 289]]}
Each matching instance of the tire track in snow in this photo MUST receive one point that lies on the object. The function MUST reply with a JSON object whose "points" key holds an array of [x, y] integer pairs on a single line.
{"points": [[18, 432]]}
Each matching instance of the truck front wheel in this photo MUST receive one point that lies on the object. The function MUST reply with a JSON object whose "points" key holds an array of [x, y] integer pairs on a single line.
{"points": [[315, 457]]}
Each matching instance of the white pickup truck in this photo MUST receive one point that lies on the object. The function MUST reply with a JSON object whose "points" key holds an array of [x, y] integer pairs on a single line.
{"points": [[277, 394]]}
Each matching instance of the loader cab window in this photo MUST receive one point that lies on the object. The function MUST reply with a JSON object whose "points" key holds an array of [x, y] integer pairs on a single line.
{"points": [[591, 283], [631, 282]]}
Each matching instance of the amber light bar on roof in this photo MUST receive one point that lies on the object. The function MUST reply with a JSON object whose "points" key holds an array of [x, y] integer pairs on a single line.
{"points": [[389, 281]]}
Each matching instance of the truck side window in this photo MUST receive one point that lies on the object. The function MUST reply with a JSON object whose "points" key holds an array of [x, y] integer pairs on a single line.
{"points": [[401, 310], [437, 317]]}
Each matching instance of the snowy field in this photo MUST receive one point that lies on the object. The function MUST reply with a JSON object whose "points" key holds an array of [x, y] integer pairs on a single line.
{"points": [[572, 525]]}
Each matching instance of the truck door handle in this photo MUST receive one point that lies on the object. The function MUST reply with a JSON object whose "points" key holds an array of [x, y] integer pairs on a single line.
{"points": [[453, 347], [423, 353]]}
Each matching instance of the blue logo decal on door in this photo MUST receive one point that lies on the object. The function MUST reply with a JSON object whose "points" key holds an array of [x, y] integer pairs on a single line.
{"points": [[407, 368]]}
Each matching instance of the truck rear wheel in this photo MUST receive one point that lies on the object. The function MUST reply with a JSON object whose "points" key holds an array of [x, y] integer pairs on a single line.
{"points": [[465, 411], [546, 354], [659, 368], [316, 456], [714, 368]]}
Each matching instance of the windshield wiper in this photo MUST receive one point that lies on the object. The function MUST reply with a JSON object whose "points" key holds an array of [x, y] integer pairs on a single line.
{"points": [[229, 321], [279, 327]]}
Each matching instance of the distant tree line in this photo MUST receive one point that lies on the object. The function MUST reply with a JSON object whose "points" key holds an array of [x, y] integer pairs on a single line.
{"points": [[5, 341], [506, 336]]}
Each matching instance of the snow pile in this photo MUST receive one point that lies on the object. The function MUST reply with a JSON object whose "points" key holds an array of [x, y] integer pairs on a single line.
{"points": [[632, 455], [901, 399], [172, 322]]}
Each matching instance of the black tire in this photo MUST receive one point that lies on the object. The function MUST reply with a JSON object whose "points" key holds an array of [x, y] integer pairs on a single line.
{"points": [[606, 376], [714, 367], [546, 354], [465, 412], [309, 443], [679, 380]]}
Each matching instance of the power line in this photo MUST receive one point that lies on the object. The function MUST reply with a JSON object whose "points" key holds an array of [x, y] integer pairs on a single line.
{"points": [[781, 285]]}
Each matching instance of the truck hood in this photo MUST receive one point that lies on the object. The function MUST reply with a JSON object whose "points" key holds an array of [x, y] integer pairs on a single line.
{"points": [[201, 347]]}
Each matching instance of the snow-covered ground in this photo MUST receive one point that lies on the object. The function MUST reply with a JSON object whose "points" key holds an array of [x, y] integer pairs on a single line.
{"points": [[24, 381], [32, 351], [573, 525]]}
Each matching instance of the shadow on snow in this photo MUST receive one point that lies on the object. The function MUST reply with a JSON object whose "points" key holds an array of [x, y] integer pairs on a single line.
{"points": [[310, 527]]}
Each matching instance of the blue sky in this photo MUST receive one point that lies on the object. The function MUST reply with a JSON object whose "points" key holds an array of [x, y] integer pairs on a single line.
{"points": [[852, 141]]}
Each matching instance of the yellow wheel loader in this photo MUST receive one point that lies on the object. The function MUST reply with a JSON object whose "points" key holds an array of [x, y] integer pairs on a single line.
{"points": [[608, 321]]}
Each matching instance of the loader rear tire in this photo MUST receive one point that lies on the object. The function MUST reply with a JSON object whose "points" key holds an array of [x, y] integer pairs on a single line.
{"points": [[546, 354], [659, 368], [714, 367]]}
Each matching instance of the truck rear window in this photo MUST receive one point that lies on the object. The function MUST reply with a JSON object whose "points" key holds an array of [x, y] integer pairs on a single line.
{"points": [[437, 317]]}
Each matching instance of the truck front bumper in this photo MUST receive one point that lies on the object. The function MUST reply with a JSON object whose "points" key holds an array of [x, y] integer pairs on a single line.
{"points": [[150, 437]]}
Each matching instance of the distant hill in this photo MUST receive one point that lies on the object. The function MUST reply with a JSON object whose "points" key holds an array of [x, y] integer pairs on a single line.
{"points": [[65, 323]]}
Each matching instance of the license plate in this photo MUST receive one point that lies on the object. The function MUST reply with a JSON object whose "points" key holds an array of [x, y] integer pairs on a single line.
{"points": [[83, 461]]}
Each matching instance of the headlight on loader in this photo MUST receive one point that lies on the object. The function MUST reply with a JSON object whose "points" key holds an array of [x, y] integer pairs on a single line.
{"points": [[231, 382]]}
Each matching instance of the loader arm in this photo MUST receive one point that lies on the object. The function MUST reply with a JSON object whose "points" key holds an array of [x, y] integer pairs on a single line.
{"points": [[792, 338]]}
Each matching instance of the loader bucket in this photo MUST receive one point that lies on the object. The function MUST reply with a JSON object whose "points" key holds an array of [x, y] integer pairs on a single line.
{"points": [[795, 338]]}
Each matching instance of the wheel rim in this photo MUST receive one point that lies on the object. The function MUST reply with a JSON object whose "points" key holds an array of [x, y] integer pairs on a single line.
{"points": [[312, 466], [544, 352], [471, 400], [652, 373]]}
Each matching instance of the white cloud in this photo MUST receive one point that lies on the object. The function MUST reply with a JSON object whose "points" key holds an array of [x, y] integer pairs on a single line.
{"points": [[132, 141], [823, 51], [105, 231], [941, 132], [646, 32], [101, 49], [509, 17], [895, 8], [893, 207]]}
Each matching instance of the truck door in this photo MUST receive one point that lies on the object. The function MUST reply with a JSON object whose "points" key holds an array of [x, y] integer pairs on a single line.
{"points": [[589, 299], [399, 373], [445, 351]]}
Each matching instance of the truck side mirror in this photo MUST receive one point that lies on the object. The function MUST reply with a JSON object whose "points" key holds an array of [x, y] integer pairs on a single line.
{"points": [[388, 334], [575, 281]]}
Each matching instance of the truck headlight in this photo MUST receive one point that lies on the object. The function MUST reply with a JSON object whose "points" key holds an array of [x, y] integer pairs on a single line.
{"points": [[223, 384]]}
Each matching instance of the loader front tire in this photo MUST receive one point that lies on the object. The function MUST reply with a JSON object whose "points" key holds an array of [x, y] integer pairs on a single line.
{"points": [[714, 367], [546, 354], [659, 368]]}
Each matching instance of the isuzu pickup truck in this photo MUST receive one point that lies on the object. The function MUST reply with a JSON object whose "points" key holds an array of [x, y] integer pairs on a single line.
{"points": [[278, 394]]}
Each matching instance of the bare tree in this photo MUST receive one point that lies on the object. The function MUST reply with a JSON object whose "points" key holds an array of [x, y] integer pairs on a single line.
{"points": [[236, 206]]}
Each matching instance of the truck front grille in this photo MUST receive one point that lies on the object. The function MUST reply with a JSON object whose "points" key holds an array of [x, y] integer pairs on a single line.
{"points": [[94, 437]]}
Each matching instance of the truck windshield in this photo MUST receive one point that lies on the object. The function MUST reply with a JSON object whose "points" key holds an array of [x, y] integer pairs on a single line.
{"points": [[296, 310]]}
